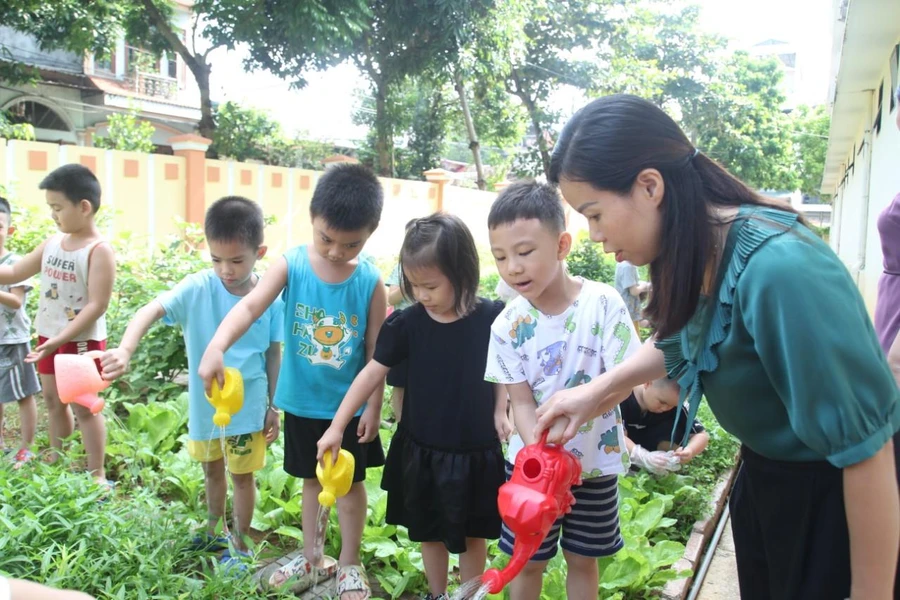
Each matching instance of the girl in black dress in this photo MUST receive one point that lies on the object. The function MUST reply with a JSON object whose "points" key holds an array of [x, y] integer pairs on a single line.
{"points": [[445, 463]]}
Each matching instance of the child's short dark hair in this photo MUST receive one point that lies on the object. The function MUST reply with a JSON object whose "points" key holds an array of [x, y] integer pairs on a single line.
{"points": [[443, 241], [348, 197], [5, 208], [235, 219], [528, 200], [75, 182]]}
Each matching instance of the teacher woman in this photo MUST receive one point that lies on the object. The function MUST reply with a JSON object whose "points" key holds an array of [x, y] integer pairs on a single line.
{"points": [[756, 314]]}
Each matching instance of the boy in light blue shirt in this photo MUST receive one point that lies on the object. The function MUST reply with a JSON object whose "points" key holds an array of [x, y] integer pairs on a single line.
{"points": [[199, 303]]}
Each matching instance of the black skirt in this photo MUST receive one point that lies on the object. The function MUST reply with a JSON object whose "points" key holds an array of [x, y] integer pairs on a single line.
{"points": [[443, 495], [790, 530]]}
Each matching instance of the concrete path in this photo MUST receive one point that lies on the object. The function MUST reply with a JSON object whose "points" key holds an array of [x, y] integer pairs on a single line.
{"points": [[721, 582]]}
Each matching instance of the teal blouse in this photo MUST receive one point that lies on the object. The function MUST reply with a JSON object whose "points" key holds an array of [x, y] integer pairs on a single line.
{"points": [[785, 352]]}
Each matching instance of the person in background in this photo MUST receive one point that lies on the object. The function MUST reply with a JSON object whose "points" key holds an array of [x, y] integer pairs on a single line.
{"points": [[397, 301], [632, 290], [650, 416]]}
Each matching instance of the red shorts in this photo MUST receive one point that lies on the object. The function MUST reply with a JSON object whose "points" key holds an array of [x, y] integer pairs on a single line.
{"points": [[45, 365]]}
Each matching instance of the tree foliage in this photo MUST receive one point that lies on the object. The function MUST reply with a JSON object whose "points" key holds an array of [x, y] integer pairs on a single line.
{"points": [[127, 131], [739, 121], [251, 134], [810, 137]]}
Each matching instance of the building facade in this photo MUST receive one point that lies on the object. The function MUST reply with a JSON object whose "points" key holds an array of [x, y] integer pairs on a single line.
{"points": [[76, 94], [861, 168]]}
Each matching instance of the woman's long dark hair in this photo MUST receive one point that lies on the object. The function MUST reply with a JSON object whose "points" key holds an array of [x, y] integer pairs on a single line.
{"points": [[607, 144]]}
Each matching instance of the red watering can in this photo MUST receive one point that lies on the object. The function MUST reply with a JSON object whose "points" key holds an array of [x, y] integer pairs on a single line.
{"points": [[78, 380], [538, 493]]}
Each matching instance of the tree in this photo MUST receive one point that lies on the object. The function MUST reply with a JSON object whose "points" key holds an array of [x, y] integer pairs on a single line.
{"points": [[810, 136], [15, 131], [738, 120], [251, 134], [658, 52], [556, 40], [244, 133], [77, 26], [284, 37], [403, 40], [128, 132]]}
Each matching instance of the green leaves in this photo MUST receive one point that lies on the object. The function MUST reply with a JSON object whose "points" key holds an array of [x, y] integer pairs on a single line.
{"points": [[128, 132], [588, 260]]}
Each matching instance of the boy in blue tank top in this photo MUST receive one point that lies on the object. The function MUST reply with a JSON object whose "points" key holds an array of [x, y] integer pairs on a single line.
{"points": [[335, 305]]}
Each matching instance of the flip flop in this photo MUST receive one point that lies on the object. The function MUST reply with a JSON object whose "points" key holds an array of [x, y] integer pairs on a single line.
{"points": [[300, 575]]}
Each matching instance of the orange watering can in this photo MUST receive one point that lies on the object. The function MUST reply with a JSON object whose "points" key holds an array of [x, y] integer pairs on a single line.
{"points": [[336, 478], [228, 400], [538, 493], [78, 380]]}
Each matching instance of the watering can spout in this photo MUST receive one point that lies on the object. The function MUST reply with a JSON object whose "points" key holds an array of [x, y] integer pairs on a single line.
{"points": [[537, 494], [229, 399], [78, 380]]}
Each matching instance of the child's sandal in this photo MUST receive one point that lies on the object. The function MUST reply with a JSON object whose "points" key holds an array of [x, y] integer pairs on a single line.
{"points": [[301, 576], [352, 578]]}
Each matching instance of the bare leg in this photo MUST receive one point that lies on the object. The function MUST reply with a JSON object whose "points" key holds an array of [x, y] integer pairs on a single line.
{"points": [[60, 422], [244, 499], [93, 435], [352, 518], [437, 561], [527, 584], [27, 421], [214, 478], [397, 402], [583, 577], [471, 562]]}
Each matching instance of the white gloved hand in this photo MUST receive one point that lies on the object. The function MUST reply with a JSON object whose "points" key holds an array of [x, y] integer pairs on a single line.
{"points": [[657, 462]]}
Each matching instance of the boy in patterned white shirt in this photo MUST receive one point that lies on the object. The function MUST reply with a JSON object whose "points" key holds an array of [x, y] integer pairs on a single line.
{"points": [[560, 332]]}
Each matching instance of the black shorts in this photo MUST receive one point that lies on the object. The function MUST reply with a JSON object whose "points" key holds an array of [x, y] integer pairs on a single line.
{"points": [[397, 375], [301, 435]]}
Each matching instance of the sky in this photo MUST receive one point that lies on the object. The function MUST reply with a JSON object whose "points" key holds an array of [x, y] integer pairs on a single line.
{"points": [[324, 108]]}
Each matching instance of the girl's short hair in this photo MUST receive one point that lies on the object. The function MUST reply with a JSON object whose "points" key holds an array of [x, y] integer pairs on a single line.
{"points": [[443, 241]]}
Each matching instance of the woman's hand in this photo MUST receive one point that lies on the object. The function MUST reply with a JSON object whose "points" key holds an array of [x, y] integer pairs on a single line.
{"points": [[564, 413]]}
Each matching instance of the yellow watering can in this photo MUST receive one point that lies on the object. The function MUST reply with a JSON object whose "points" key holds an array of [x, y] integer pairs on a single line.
{"points": [[229, 400], [336, 478]]}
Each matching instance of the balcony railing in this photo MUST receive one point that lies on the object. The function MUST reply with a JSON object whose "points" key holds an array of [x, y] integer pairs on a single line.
{"points": [[154, 85]]}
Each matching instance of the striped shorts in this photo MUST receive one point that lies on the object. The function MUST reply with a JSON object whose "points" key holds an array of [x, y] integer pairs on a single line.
{"points": [[591, 529], [17, 378]]}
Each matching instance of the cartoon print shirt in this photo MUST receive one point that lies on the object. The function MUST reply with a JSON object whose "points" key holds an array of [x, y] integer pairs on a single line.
{"points": [[64, 290], [324, 331], [199, 304], [563, 351], [15, 326]]}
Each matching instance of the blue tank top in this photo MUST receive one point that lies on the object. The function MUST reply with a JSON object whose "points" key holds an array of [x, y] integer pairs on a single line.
{"points": [[324, 336]]}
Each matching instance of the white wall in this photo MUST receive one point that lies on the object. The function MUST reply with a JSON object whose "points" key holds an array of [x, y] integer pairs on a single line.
{"points": [[883, 185]]}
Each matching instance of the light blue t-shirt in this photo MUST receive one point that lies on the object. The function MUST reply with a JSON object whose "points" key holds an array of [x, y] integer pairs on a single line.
{"points": [[324, 331], [199, 304]]}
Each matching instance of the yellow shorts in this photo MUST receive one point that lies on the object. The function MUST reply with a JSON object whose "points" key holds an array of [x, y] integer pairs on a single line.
{"points": [[244, 453]]}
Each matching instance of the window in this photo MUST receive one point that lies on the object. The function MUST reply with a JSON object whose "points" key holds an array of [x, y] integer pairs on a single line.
{"points": [[170, 66], [38, 115], [895, 82], [104, 63], [877, 124]]}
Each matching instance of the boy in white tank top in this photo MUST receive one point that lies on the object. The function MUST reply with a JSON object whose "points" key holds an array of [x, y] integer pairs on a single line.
{"points": [[77, 269]]}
